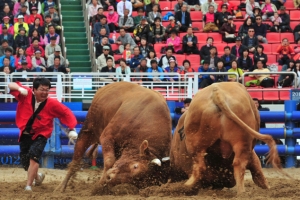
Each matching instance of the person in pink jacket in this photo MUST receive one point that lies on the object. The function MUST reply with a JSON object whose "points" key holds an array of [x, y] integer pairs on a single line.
{"points": [[112, 19], [174, 41], [35, 34], [35, 15], [18, 57], [10, 27], [33, 47]]}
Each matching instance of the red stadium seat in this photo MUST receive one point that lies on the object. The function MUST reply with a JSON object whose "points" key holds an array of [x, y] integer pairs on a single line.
{"points": [[201, 37], [254, 93], [267, 48], [289, 5], [111, 34], [157, 47], [270, 94], [117, 57], [134, 14], [114, 47], [273, 38], [165, 5], [289, 36], [198, 25], [271, 59], [293, 24], [220, 48], [294, 15], [173, 3], [165, 23], [194, 59], [238, 24], [274, 48], [196, 16], [284, 94], [217, 37], [180, 58]]}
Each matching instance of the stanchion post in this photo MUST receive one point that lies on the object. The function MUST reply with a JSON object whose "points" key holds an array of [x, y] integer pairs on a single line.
{"points": [[289, 107]]}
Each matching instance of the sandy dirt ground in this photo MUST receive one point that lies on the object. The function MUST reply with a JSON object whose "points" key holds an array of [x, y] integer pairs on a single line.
{"points": [[13, 180]]}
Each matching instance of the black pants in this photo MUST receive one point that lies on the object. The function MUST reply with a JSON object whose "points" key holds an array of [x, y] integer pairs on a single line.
{"points": [[31, 149], [284, 60], [112, 27], [183, 28], [267, 83], [191, 50], [229, 40]]}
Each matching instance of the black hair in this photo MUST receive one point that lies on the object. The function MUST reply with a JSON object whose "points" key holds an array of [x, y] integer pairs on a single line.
{"points": [[121, 28], [57, 57], [8, 58], [34, 39], [148, 54], [187, 100], [8, 49], [227, 47], [41, 81], [157, 18], [51, 25], [245, 21], [3, 41], [109, 58], [260, 46], [153, 61], [187, 62], [99, 8], [103, 16], [209, 38], [122, 60]]}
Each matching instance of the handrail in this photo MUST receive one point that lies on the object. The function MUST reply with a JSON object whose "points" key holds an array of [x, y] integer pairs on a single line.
{"points": [[62, 34], [260, 73]]}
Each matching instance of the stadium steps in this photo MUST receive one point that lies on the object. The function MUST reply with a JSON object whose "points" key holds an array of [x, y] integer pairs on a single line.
{"points": [[75, 35]]}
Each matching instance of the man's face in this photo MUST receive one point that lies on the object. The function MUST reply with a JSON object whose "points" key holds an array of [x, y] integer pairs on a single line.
{"points": [[122, 32], [51, 10], [109, 63], [51, 30], [212, 51], [251, 32], [7, 53], [6, 62], [100, 11], [126, 12], [57, 53], [103, 21], [154, 65], [169, 53], [238, 42], [259, 65], [4, 45], [104, 40], [136, 51], [282, 11], [102, 31], [224, 9], [209, 41], [258, 20], [143, 63], [48, 20], [205, 66], [41, 93], [184, 8], [6, 69], [190, 31], [105, 51], [227, 52], [141, 13], [143, 22], [23, 9], [53, 42], [35, 43], [56, 62], [211, 9]]}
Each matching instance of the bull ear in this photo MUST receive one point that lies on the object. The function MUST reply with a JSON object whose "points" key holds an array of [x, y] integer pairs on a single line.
{"points": [[144, 148]]}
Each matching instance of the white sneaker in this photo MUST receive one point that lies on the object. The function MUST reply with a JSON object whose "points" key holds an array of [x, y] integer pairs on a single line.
{"points": [[38, 182], [28, 188]]}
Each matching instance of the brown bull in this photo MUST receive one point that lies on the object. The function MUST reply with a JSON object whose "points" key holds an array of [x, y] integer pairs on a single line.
{"points": [[133, 125], [216, 137]]}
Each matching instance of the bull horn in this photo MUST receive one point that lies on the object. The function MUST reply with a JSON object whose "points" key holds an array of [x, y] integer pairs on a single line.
{"points": [[165, 159], [156, 161]]}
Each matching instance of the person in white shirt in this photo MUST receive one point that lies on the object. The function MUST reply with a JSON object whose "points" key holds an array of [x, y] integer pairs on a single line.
{"points": [[93, 8], [122, 5]]}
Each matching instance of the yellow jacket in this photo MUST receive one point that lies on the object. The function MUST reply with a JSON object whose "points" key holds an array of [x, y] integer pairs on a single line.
{"points": [[16, 28]]}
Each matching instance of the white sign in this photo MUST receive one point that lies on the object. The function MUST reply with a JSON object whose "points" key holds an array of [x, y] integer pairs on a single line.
{"points": [[82, 83]]}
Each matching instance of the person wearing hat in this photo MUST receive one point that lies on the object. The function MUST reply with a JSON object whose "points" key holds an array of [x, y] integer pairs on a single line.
{"points": [[93, 8], [38, 62], [228, 30], [8, 54], [6, 25], [57, 53], [238, 48], [210, 20], [49, 49], [54, 15], [112, 19], [172, 68], [25, 12], [222, 16], [140, 15], [171, 26], [250, 5], [183, 18], [284, 25], [24, 69], [143, 30], [126, 22], [20, 25], [35, 15], [101, 60], [37, 4], [205, 79], [267, 10], [256, 12], [18, 7], [122, 6], [46, 6], [33, 47], [154, 14], [21, 40], [158, 31], [7, 12]]}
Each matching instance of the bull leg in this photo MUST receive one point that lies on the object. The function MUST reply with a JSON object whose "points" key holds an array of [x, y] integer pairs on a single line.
{"points": [[82, 144], [256, 171]]}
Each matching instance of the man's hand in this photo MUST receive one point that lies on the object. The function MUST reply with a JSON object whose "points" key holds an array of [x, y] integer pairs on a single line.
{"points": [[68, 69], [23, 91], [212, 77], [72, 134]]}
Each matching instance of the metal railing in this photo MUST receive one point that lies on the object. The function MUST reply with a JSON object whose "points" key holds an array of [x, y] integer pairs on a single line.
{"points": [[62, 35]]}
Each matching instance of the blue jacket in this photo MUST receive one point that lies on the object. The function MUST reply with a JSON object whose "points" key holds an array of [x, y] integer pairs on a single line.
{"points": [[159, 69], [97, 28], [168, 77], [206, 76], [11, 63], [135, 61]]}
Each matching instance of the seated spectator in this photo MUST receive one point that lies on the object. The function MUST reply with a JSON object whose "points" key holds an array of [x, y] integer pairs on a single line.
{"points": [[123, 5], [189, 43], [179, 5], [18, 6], [51, 33], [46, 5], [250, 41], [57, 67], [127, 53], [284, 50], [228, 31], [221, 69], [268, 10], [135, 60], [33, 47], [35, 34], [227, 58], [222, 16], [9, 27], [6, 63], [126, 22], [210, 20], [93, 8], [276, 20], [158, 31], [250, 5], [296, 3], [122, 70], [7, 12], [278, 3], [24, 78], [38, 62], [112, 19], [186, 104], [185, 68], [109, 65], [151, 56], [260, 55], [205, 6], [96, 18], [33, 16], [51, 46], [48, 21], [5, 78], [236, 69], [172, 68], [7, 36], [205, 80], [51, 57], [260, 30], [263, 80], [245, 62], [143, 30], [193, 5], [155, 72], [99, 47], [102, 34], [142, 68], [296, 32], [8, 54], [243, 30], [238, 48], [101, 60], [284, 25], [37, 26], [286, 80], [24, 11], [21, 54], [164, 60], [4, 45], [174, 42], [230, 7], [37, 4], [145, 47], [149, 6], [297, 71], [20, 25], [154, 15], [137, 19], [183, 19], [54, 15], [171, 26], [212, 58], [21, 40], [256, 12], [99, 25], [204, 50], [123, 39]]}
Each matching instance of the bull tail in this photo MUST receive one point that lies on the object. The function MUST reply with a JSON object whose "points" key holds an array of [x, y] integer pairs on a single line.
{"points": [[272, 157]]}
